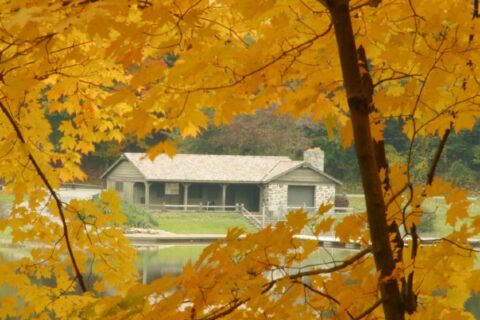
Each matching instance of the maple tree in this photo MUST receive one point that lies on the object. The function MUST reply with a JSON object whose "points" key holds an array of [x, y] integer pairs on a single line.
{"points": [[113, 68]]}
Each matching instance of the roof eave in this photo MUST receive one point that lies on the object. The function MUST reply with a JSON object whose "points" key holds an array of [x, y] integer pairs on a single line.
{"points": [[122, 157], [305, 165], [283, 173], [326, 175]]}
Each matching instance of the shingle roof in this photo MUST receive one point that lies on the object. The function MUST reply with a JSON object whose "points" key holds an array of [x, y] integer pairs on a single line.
{"points": [[212, 168]]}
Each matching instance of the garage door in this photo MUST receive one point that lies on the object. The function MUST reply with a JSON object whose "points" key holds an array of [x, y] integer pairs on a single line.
{"points": [[299, 196]]}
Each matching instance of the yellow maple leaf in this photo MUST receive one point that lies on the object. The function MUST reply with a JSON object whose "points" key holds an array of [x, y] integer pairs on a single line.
{"points": [[168, 147]]}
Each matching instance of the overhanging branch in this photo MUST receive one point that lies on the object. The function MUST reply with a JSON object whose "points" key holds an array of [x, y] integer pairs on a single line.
{"points": [[55, 196]]}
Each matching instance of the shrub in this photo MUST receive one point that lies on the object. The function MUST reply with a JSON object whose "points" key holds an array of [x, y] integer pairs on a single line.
{"points": [[138, 217], [461, 175]]}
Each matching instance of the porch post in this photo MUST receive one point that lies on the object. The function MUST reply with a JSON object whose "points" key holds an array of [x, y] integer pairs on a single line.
{"points": [[185, 195], [224, 195], [147, 194]]}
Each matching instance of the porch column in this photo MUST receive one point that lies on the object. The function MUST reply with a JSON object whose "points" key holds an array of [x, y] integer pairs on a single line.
{"points": [[224, 195], [147, 194], [261, 205], [185, 195]]}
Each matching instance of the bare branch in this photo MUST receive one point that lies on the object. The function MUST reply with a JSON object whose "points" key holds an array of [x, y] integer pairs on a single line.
{"points": [[369, 310]]}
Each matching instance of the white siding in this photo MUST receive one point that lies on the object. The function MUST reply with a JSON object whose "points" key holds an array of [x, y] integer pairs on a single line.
{"points": [[125, 171]]}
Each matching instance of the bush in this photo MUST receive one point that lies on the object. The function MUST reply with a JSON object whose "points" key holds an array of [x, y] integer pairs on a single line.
{"points": [[461, 175], [138, 217]]}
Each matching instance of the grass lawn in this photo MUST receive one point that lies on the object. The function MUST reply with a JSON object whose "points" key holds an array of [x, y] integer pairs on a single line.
{"points": [[201, 222], [435, 207], [5, 235], [357, 202]]}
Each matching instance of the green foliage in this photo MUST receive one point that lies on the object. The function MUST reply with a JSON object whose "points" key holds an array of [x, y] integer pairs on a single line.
{"points": [[393, 155], [138, 217], [461, 175], [265, 133], [339, 162], [476, 155]]}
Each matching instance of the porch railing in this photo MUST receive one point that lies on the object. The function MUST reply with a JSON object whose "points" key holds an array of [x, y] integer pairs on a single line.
{"points": [[193, 207], [253, 219]]}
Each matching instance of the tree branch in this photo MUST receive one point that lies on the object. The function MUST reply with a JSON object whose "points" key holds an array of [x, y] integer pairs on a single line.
{"points": [[339, 267], [55, 196], [438, 153], [269, 285], [369, 310], [323, 294]]}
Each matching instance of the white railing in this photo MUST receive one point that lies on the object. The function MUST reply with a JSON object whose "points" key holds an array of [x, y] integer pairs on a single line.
{"points": [[192, 207], [251, 217]]}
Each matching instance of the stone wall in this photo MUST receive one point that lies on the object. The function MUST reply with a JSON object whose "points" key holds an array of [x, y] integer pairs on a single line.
{"points": [[275, 198], [324, 194]]}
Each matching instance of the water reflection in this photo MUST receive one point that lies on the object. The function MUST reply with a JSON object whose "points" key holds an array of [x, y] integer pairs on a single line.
{"points": [[162, 260], [156, 262]]}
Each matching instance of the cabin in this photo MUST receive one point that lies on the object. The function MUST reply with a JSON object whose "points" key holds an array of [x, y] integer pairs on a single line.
{"points": [[268, 184]]}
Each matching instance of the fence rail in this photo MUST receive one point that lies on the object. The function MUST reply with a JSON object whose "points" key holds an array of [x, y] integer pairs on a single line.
{"points": [[257, 219], [193, 207]]}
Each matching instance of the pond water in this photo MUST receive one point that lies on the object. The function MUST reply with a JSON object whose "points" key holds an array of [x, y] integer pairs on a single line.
{"points": [[170, 259], [154, 263]]}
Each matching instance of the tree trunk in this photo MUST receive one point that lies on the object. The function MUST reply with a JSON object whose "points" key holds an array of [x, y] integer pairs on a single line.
{"points": [[359, 107]]}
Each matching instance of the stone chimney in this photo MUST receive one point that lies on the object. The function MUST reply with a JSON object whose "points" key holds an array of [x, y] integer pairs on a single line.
{"points": [[315, 157]]}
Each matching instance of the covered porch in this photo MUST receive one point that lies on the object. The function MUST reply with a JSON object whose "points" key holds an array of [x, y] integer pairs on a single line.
{"points": [[162, 195]]}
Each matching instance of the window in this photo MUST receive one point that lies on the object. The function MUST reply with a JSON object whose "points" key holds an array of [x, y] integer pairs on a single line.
{"points": [[119, 186]]}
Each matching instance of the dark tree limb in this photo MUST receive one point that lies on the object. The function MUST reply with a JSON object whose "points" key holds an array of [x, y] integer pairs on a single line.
{"points": [[359, 106], [55, 196], [438, 153], [369, 310]]}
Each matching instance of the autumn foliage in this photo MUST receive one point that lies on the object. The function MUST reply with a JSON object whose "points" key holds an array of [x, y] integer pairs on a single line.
{"points": [[112, 68]]}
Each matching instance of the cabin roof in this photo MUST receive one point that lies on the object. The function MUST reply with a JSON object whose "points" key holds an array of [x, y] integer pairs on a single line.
{"points": [[213, 168]]}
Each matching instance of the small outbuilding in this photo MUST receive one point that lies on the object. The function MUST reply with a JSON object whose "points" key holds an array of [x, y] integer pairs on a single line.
{"points": [[268, 184]]}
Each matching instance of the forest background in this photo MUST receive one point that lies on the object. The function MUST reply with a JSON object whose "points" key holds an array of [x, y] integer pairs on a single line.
{"points": [[269, 133]]}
